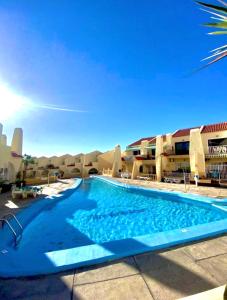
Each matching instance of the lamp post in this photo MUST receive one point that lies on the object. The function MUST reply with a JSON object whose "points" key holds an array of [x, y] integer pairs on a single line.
{"points": [[48, 178]]}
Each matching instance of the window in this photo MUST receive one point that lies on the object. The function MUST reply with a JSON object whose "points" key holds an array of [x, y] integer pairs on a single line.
{"points": [[217, 142], [141, 169], [136, 152], [182, 148], [183, 167]]}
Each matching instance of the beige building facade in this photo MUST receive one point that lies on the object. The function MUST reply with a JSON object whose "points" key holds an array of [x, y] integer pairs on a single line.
{"points": [[80, 165], [198, 151], [10, 155]]}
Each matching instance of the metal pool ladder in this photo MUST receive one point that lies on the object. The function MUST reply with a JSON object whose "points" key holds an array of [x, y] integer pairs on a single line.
{"points": [[6, 220]]}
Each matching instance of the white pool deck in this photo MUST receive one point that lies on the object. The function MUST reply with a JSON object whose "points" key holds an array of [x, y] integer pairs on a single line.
{"points": [[170, 274]]}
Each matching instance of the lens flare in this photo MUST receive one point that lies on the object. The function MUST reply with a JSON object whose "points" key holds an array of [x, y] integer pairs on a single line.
{"points": [[10, 103]]}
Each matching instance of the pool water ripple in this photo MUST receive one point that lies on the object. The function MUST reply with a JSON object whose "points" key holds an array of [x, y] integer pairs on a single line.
{"points": [[99, 212]]}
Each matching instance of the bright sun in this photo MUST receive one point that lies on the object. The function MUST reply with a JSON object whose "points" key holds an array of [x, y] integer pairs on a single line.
{"points": [[10, 103]]}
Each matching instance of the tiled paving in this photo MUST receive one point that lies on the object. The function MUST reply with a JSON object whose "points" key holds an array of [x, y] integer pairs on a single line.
{"points": [[169, 274], [214, 192], [13, 206]]}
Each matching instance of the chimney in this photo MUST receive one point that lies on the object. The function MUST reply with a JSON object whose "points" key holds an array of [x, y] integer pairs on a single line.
{"points": [[17, 140], [3, 140], [1, 128]]}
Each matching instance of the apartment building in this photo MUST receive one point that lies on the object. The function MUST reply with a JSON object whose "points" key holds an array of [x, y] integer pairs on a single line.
{"points": [[69, 166], [200, 150]]}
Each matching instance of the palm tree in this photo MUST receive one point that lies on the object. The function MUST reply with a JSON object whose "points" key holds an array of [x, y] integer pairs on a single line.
{"points": [[26, 160], [219, 14]]}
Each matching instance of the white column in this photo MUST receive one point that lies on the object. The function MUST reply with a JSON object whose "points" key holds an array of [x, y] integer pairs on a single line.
{"points": [[196, 152], [117, 163], [158, 157]]}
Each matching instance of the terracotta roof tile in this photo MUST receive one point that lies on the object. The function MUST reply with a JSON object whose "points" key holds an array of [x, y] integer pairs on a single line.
{"points": [[183, 132], [137, 143], [215, 127], [152, 141]]}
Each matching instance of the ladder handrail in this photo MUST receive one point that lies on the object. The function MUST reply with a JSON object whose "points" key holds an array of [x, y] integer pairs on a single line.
{"points": [[16, 235], [15, 218], [7, 222]]}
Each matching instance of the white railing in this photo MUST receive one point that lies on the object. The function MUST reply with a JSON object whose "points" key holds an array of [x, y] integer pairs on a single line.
{"points": [[218, 149], [129, 158], [126, 175], [217, 172], [177, 174]]}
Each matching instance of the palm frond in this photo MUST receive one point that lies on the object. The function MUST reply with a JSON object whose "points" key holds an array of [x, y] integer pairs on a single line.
{"points": [[223, 55], [216, 53], [223, 2], [217, 32], [220, 13], [222, 17], [219, 48], [222, 25], [220, 9]]}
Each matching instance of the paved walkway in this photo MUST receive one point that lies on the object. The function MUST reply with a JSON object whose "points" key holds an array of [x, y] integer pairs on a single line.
{"points": [[162, 275], [13, 206], [208, 191]]}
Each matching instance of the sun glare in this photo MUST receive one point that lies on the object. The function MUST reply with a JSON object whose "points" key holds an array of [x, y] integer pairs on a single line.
{"points": [[10, 103]]}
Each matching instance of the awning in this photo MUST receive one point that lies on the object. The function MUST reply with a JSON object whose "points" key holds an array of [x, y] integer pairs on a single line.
{"points": [[151, 147], [133, 148]]}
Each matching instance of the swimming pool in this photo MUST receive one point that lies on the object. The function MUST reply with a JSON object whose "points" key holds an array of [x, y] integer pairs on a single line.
{"points": [[100, 220]]}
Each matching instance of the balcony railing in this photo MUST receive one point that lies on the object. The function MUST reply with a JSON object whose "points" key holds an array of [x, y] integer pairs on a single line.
{"points": [[131, 158], [218, 150], [128, 158], [145, 157], [176, 174], [170, 152]]}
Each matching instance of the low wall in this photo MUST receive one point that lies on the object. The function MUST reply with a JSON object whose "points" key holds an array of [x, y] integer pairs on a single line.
{"points": [[40, 180]]}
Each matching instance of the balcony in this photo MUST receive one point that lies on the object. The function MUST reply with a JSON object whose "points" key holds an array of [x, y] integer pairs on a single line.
{"points": [[128, 158], [145, 157], [131, 158], [220, 151], [170, 152], [180, 150], [217, 151]]}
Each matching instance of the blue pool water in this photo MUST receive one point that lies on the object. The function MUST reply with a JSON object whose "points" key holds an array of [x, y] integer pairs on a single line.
{"points": [[98, 221], [99, 212]]}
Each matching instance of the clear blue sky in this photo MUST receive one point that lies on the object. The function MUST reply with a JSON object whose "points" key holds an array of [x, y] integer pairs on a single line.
{"points": [[123, 63]]}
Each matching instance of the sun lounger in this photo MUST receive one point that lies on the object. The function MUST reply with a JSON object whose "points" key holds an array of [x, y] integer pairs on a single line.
{"points": [[126, 175], [24, 192], [143, 177], [172, 180], [20, 193]]}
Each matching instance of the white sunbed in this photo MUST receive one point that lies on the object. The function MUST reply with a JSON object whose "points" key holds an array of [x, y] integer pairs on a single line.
{"points": [[23, 193], [143, 177], [172, 180], [126, 175]]}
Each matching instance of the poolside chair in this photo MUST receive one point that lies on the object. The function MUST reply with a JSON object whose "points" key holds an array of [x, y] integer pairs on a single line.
{"points": [[126, 175], [23, 192], [18, 192], [143, 177]]}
